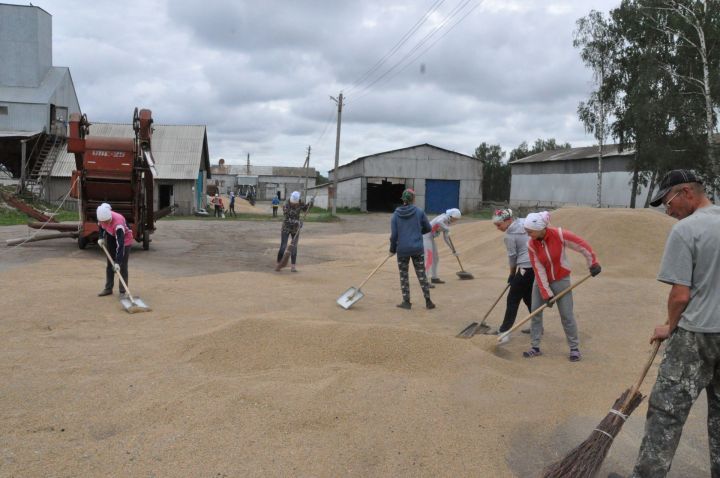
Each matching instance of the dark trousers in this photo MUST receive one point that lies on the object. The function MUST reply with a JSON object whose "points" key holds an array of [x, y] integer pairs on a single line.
{"points": [[520, 290], [111, 246], [218, 211], [283, 244], [231, 209], [275, 208], [419, 266]]}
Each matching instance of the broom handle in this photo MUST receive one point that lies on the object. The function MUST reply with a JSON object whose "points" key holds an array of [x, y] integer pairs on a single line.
{"points": [[635, 388], [452, 247], [495, 303], [541, 308], [120, 277], [374, 271]]}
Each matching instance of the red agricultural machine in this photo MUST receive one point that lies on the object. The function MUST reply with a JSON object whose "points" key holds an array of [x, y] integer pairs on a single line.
{"points": [[118, 171]]}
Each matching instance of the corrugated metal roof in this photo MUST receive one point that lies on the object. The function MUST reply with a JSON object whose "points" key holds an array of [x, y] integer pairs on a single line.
{"points": [[35, 95], [362, 158], [177, 149], [589, 152]]}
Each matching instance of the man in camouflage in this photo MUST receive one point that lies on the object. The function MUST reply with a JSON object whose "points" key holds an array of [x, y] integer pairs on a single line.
{"points": [[691, 362]]}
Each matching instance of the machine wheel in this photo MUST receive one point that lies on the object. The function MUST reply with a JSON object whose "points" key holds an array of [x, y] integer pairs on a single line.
{"points": [[82, 242], [146, 240]]}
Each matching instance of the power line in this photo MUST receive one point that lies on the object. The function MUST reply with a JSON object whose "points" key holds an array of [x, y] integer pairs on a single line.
{"points": [[412, 60], [458, 8], [397, 45]]}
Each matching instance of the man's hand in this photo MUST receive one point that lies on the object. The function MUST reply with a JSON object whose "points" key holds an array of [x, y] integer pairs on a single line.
{"points": [[595, 269], [660, 333], [510, 278], [456, 254], [116, 267], [101, 242], [549, 302], [392, 253]]}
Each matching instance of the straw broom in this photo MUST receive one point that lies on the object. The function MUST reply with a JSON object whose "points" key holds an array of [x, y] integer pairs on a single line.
{"points": [[584, 461]]}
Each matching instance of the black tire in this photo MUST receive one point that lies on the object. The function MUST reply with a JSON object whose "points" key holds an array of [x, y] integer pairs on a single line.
{"points": [[146, 240], [82, 242]]}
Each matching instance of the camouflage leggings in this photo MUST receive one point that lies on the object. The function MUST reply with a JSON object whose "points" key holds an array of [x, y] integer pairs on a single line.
{"points": [[419, 265], [690, 364]]}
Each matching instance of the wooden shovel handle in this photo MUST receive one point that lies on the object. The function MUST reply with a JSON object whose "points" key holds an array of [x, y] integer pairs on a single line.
{"points": [[454, 251], [541, 308], [120, 277], [494, 304], [374, 271]]}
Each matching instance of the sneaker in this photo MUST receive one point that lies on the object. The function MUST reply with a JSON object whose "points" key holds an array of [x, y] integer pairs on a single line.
{"points": [[575, 356], [292, 269], [430, 286], [105, 292], [533, 352], [429, 304], [503, 340], [526, 330], [405, 305], [123, 295], [435, 280]]}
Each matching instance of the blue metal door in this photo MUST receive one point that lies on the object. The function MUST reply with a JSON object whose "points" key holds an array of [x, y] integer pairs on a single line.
{"points": [[441, 195]]}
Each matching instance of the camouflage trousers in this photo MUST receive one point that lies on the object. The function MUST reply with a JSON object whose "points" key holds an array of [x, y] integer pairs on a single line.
{"points": [[419, 265], [691, 363]]}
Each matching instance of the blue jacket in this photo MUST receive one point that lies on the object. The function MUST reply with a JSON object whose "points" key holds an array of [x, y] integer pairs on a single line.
{"points": [[407, 226]]}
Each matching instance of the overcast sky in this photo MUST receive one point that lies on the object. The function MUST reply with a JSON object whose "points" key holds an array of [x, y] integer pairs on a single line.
{"points": [[259, 73]]}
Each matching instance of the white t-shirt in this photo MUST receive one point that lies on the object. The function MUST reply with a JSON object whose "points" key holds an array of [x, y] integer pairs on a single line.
{"points": [[692, 258]]}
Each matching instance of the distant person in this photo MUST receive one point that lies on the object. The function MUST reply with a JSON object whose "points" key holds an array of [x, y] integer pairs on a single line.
{"points": [[691, 362], [546, 249], [220, 207], [216, 202], [116, 237], [275, 204], [291, 228], [407, 226], [440, 223], [522, 276], [231, 207]]}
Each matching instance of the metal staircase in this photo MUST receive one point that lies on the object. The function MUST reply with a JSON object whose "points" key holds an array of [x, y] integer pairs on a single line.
{"points": [[44, 163]]}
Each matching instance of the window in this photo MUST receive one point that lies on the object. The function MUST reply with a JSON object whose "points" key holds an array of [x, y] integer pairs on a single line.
{"points": [[3, 110]]}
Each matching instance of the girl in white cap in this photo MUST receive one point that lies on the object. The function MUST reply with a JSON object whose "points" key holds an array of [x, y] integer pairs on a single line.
{"points": [[115, 235], [521, 276], [441, 223], [291, 227], [546, 249]]}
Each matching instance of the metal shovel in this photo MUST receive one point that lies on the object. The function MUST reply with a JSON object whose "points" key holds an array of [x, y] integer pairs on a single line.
{"points": [[131, 304], [475, 327], [353, 294], [462, 274]]}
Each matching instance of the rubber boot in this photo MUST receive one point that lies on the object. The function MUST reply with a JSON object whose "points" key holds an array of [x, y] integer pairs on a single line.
{"points": [[405, 305], [429, 304]]}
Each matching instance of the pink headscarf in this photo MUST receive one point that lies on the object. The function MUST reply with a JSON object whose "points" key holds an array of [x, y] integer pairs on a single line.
{"points": [[537, 221]]}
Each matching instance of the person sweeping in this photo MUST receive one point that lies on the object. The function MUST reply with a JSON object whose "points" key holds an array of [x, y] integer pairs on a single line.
{"points": [[546, 250], [292, 223], [441, 223], [117, 238], [407, 226], [522, 276]]}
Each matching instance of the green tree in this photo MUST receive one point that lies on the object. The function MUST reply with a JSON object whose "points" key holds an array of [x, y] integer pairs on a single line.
{"points": [[496, 173], [598, 45]]}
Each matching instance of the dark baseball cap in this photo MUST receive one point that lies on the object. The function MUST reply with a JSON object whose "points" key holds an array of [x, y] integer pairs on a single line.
{"points": [[673, 178]]}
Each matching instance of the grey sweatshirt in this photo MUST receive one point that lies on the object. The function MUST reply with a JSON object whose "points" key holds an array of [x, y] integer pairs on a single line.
{"points": [[516, 240]]}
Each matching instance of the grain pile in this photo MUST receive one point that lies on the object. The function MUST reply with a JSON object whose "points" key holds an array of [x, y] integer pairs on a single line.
{"points": [[257, 373]]}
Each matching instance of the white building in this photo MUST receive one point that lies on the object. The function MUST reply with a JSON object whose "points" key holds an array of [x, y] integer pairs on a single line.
{"points": [[569, 177], [441, 178]]}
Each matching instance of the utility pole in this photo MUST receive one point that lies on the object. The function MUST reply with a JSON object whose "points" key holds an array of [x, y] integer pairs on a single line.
{"points": [[307, 168], [339, 101]]}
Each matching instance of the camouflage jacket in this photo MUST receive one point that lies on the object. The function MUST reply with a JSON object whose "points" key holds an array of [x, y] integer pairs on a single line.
{"points": [[292, 222]]}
